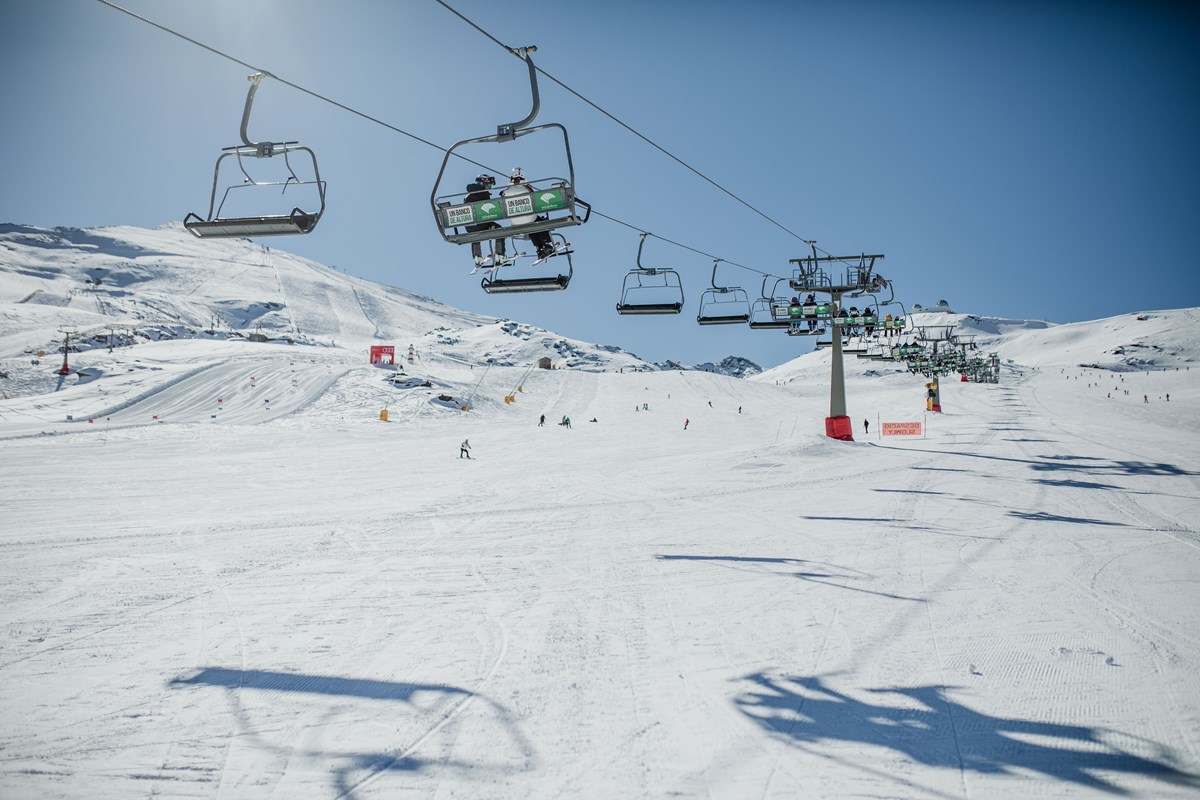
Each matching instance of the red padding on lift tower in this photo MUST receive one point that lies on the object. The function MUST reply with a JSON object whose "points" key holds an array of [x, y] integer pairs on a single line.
{"points": [[839, 428]]}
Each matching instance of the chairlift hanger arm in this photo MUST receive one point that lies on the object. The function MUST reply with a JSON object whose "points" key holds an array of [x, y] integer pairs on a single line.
{"points": [[262, 149], [509, 130]]}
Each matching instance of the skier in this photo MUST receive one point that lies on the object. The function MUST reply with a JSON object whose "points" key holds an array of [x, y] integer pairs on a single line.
{"points": [[464, 449], [866, 426], [542, 421], [518, 186], [811, 302], [476, 191], [685, 423]]}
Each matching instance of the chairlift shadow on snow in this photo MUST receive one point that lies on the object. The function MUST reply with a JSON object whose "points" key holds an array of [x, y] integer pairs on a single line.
{"points": [[824, 577], [362, 766], [1093, 465], [923, 724]]}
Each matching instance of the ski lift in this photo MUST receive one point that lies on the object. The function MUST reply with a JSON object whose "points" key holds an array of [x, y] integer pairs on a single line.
{"points": [[898, 322], [461, 222], [650, 290], [493, 283], [723, 305], [296, 221], [770, 311]]}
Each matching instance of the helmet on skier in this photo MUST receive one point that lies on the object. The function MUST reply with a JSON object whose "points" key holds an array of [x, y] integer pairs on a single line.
{"points": [[517, 175], [487, 181]]}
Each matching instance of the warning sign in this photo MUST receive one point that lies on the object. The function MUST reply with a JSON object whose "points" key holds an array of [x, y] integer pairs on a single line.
{"points": [[901, 428]]}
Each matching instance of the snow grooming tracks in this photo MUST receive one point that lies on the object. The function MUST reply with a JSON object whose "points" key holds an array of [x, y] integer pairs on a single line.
{"points": [[347, 791]]}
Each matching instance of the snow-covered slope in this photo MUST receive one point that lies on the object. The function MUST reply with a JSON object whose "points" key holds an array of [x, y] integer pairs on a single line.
{"points": [[227, 575]]}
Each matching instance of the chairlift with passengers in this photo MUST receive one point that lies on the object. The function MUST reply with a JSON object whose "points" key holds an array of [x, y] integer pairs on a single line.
{"points": [[296, 221], [650, 290], [552, 206], [723, 305]]}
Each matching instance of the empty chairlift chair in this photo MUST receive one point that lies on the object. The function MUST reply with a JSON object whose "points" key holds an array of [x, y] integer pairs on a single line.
{"points": [[723, 305], [496, 282], [286, 222], [650, 290], [770, 311]]}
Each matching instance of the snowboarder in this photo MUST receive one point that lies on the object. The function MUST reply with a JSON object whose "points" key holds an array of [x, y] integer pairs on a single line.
{"points": [[542, 421], [685, 423], [464, 449], [866, 426]]}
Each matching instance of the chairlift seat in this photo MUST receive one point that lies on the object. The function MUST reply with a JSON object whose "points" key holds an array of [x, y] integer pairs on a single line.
{"points": [[278, 225], [649, 308], [549, 283], [723, 319]]}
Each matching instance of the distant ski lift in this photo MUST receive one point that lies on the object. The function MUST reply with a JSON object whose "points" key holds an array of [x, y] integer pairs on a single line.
{"points": [[296, 221], [723, 305], [551, 206], [650, 290], [496, 282]]}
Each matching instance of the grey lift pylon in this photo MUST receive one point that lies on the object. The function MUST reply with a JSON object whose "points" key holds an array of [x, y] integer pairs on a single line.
{"points": [[857, 277]]}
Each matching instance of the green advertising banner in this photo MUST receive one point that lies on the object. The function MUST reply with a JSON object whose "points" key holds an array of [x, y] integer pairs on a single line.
{"points": [[488, 210], [551, 200]]}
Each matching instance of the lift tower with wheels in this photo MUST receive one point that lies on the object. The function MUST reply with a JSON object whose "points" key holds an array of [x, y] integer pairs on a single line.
{"points": [[857, 277]]}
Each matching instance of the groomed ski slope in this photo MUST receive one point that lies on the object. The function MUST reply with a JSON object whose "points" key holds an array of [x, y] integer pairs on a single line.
{"points": [[315, 603]]}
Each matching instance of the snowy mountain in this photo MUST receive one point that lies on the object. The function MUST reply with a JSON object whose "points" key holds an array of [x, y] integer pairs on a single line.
{"points": [[237, 559], [120, 285]]}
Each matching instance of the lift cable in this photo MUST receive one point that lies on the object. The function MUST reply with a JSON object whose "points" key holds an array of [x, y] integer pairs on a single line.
{"points": [[629, 128], [413, 136]]}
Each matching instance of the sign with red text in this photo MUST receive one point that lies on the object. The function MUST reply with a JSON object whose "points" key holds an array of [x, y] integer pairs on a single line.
{"points": [[901, 429]]}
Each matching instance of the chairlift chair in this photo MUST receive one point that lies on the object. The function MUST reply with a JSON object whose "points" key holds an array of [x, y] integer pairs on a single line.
{"points": [[770, 311], [723, 305], [650, 290], [546, 209], [297, 221], [556, 281]]}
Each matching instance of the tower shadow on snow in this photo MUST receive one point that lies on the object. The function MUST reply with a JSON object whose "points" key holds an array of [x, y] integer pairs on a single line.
{"points": [[824, 577]]}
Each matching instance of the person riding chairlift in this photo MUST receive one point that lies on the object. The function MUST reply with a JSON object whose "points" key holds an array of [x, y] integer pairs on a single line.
{"points": [[517, 186], [477, 191]]}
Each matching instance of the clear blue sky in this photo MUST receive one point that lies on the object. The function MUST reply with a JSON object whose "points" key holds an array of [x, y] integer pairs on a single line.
{"points": [[1019, 159]]}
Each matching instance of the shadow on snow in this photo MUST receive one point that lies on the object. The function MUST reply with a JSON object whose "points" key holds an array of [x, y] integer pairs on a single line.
{"points": [[922, 724]]}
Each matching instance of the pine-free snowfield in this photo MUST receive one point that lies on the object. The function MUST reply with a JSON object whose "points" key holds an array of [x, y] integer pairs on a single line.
{"points": [[320, 604]]}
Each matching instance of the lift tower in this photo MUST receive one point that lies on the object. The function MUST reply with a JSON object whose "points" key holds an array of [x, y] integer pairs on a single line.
{"points": [[857, 277]]}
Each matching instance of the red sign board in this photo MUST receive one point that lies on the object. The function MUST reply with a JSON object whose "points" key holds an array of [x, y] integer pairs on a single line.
{"points": [[383, 352]]}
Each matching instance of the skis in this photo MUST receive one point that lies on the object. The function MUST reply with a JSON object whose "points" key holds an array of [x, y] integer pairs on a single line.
{"points": [[560, 249]]}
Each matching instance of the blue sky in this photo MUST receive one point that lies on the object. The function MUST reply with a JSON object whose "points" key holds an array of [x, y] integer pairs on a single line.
{"points": [[1018, 159]]}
